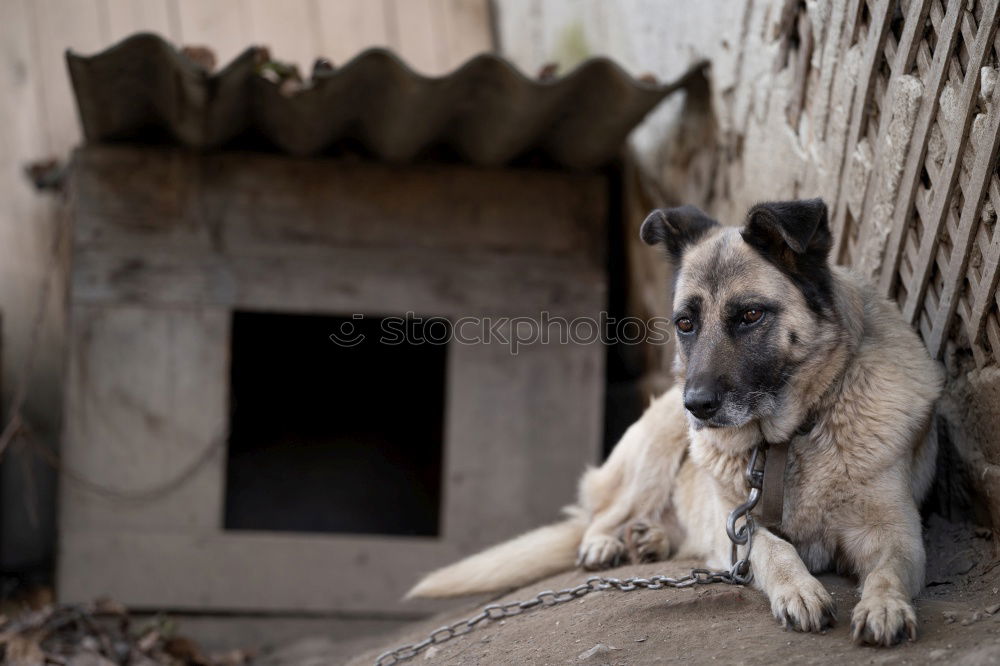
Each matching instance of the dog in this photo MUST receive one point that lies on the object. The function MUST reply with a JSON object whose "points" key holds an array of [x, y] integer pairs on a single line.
{"points": [[774, 344]]}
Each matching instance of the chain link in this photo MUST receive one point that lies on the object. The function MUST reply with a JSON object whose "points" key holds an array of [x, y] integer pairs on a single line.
{"points": [[738, 574]]}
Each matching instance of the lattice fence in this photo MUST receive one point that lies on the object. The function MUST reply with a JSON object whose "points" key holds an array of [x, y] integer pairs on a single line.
{"points": [[941, 252]]}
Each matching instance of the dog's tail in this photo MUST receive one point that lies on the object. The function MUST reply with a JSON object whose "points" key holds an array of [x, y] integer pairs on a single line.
{"points": [[532, 556]]}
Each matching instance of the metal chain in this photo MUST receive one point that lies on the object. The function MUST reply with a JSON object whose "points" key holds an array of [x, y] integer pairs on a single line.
{"points": [[738, 574]]}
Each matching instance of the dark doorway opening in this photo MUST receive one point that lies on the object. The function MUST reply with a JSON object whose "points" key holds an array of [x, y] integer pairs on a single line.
{"points": [[328, 437]]}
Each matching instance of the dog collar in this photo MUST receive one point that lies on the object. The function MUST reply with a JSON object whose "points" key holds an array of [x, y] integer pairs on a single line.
{"points": [[772, 497]]}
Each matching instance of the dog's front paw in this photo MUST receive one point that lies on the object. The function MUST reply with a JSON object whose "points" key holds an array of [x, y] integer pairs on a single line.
{"points": [[804, 605], [646, 542], [883, 620], [600, 552]]}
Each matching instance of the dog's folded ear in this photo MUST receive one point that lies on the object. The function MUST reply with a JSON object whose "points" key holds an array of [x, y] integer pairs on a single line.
{"points": [[801, 226], [676, 228], [795, 236]]}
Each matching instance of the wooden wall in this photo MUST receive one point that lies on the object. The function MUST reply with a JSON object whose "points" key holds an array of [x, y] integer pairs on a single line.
{"points": [[39, 120], [149, 344]]}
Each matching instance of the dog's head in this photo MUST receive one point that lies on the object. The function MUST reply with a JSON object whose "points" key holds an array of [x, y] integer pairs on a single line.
{"points": [[751, 305]]}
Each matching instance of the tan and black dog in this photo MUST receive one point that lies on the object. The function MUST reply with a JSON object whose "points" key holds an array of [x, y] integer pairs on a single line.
{"points": [[770, 337]]}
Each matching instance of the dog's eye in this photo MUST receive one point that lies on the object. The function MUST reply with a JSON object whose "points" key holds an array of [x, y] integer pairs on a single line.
{"points": [[752, 316], [685, 325]]}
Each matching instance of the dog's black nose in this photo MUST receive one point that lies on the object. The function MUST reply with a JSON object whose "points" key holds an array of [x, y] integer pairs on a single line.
{"points": [[702, 402]]}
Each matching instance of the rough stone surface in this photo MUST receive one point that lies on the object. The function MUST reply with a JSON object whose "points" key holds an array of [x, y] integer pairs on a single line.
{"points": [[970, 411]]}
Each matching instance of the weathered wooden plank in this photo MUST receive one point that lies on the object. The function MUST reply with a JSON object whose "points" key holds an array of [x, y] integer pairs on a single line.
{"points": [[166, 227], [497, 474], [902, 61], [503, 475], [26, 224], [126, 17], [59, 26], [462, 210], [878, 183], [801, 73], [923, 60], [289, 29], [957, 139], [979, 353], [23, 136], [968, 38], [947, 35], [147, 395], [340, 281], [829, 67], [922, 207], [224, 571], [221, 25], [120, 182], [859, 115], [347, 27], [984, 295], [170, 243], [993, 336], [257, 204], [467, 30], [420, 35]]}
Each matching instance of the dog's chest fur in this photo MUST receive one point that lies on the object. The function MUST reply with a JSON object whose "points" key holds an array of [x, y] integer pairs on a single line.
{"points": [[811, 492]]}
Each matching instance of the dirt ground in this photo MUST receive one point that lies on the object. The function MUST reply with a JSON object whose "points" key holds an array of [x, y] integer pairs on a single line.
{"points": [[959, 614]]}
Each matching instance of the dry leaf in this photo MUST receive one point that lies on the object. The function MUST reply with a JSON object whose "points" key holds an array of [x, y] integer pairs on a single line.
{"points": [[107, 606], [148, 641], [186, 650]]}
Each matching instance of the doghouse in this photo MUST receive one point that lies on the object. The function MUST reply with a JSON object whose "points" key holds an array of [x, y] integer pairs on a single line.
{"points": [[241, 246]]}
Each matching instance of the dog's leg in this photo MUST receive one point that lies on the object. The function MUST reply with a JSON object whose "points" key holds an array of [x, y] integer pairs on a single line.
{"points": [[797, 599], [646, 541], [633, 486], [601, 547], [888, 554]]}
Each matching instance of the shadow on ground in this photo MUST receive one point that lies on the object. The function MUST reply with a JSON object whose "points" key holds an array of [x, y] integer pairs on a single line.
{"points": [[959, 615]]}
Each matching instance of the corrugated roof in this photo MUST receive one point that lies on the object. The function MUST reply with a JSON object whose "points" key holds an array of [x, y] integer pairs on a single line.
{"points": [[486, 111]]}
